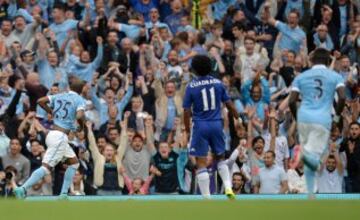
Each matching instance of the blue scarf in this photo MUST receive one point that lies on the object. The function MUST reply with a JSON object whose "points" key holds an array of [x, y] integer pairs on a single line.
{"points": [[328, 42]]}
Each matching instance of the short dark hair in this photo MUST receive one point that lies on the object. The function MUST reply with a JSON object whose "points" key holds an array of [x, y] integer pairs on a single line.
{"points": [[201, 65], [272, 153], [320, 56], [60, 6], [238, 25], [256, 139], [354, 123], [77, 85], [250, 38], [295, 11]]}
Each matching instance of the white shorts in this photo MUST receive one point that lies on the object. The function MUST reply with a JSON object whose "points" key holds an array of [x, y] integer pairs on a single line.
{"points": [[314, 138], [58, 148]]}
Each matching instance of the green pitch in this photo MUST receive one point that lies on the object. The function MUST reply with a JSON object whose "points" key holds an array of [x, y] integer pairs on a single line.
{"points": [[182, 210]]}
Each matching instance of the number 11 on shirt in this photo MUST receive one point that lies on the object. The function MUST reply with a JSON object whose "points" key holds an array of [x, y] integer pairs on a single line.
{"points": [[205, 99]]}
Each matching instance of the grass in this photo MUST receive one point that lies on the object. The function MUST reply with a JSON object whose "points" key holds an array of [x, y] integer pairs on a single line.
{"points": [[182, 210]]}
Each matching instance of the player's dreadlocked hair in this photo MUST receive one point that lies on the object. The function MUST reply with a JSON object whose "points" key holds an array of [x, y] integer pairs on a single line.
{"points": [[201, 65]]}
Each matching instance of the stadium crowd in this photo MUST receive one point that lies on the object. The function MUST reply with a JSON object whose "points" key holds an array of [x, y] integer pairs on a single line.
{"points": [[135, 56]]}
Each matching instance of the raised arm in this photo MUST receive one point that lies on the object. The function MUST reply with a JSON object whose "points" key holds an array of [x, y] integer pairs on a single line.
{"points": [[294, 96], [272, 117], [149, 132], [92, 142], [123, 136]]}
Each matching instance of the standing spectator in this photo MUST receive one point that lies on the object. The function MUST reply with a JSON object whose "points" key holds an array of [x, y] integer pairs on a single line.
{"points": [[331, 173], [351, 147], [173, 20], [15, 159], [4, 140], [138, 155], [271, 179], [106, 164], [296, 179], [291, 37]]}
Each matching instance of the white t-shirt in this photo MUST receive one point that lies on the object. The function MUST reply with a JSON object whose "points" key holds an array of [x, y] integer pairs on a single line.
{"points": [[281, 148], [270, 179], [330, 182], [296, 181]]}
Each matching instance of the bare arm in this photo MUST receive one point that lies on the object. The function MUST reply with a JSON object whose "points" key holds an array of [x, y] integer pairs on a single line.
{"points": [[43, 103], [284, 187], [294, 96], [187, 116]]}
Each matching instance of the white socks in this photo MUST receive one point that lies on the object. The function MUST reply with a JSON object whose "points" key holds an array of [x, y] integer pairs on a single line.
{"points": [[203, 180], [224, 174]]}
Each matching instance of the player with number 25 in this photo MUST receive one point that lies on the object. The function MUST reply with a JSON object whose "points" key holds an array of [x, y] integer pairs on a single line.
{"points": [[65, 108]]}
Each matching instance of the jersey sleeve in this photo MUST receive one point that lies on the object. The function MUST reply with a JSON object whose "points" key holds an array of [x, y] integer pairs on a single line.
{"points": [[52, 99], [224, 96], [81, 104], [339, 81], [281, 26], [71, 24], [295, 85], [187, 98]]}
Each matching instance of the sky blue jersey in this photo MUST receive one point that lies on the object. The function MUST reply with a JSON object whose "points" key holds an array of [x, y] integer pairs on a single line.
{"points": [[65, 105], [205, 95], [317, 87]]}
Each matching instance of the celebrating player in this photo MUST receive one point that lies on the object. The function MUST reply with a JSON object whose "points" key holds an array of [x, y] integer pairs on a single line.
{"points": [[203, 98], [317, 88], [65, 109]]}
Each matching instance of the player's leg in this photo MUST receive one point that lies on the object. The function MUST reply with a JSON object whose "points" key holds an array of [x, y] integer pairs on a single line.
{"points": [[312, 152], [73, 165], [199, 148], [53, 155], [36, 176], [217, 144]]}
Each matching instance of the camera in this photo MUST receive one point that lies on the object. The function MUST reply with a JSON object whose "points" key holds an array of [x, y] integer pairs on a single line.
{"points": [[8, 176]]}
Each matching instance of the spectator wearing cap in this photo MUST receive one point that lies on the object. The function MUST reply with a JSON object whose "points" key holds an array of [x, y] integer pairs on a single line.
{"points": [[17, 160], [28, 61], [107, 177], [271, 178], [138, 155]]}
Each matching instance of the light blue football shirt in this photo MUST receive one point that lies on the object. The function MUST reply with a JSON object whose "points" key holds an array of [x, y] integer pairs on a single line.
{"points": [[291, 39], [61, 30], [317, 87], [65, 106]]}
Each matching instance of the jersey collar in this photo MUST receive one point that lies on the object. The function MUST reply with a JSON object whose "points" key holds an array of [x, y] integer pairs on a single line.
{"points": [[319, 66]]}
